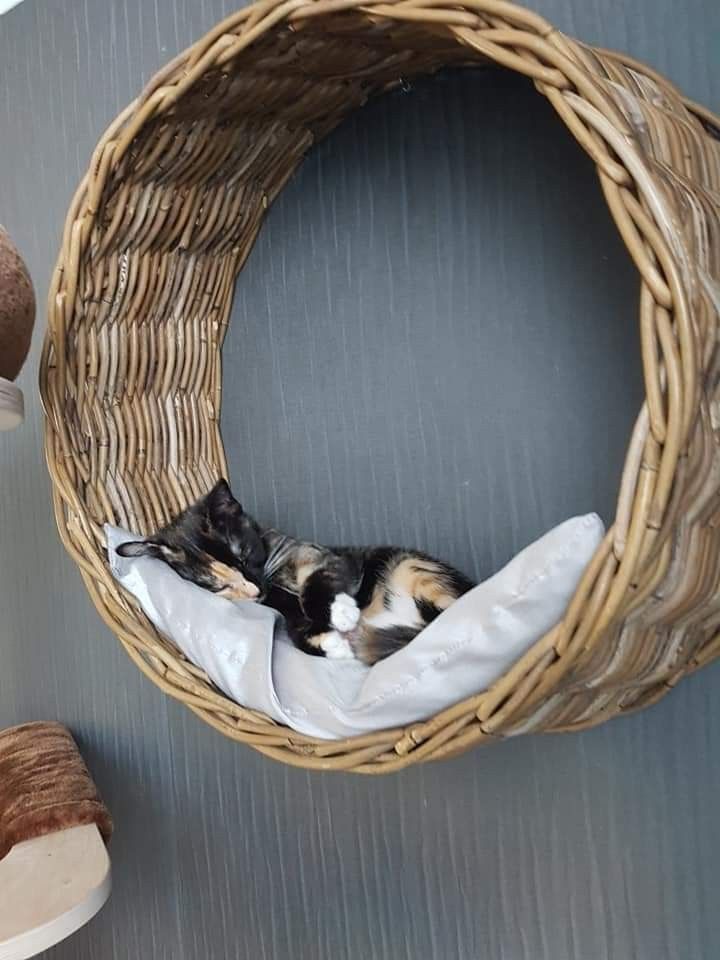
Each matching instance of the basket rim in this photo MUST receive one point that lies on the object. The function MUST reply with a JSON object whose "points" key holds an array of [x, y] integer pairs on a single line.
{"points": [[561, 70]]}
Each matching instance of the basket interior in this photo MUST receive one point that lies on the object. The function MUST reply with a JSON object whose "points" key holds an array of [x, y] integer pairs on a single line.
{"points": [[424, 336], [179, 218]]}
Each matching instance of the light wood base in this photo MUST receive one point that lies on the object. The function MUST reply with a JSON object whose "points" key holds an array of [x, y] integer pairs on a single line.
{"points": [[51, 886]]}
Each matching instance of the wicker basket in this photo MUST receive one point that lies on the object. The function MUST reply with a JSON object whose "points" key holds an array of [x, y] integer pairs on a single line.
{"points": [[139, 304]]}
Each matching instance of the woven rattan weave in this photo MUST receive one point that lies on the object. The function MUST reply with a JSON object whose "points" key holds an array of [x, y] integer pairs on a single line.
{"points": [[139, 304]]}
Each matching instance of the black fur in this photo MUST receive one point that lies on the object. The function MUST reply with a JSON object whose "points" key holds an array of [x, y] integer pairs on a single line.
{"points": [[216, 545], [428, 611], [215, 529]]}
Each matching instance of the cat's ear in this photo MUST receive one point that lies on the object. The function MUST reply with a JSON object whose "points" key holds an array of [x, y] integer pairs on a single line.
{"points": [[148, 548], [221, 500]]}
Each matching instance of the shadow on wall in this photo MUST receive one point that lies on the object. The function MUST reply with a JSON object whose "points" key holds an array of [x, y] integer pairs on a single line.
{"points": [[434, 340]]}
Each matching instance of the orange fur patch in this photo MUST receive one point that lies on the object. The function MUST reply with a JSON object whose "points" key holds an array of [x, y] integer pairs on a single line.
{"points": [[422, 580], [236, 587]]}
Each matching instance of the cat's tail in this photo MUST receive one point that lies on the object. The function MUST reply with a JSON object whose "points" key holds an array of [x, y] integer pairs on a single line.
{"points": [[376, 643]]}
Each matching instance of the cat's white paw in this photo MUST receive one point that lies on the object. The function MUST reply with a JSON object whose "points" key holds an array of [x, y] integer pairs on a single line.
{"points": [[336, 647], [344, 613]]}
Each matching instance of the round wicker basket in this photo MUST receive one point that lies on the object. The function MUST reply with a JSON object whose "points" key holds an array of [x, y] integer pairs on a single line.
{"points": [[139, 303]]}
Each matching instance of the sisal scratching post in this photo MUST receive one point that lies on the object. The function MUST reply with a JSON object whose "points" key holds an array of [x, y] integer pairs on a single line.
{"points": [[54, 868], [44, 785]]}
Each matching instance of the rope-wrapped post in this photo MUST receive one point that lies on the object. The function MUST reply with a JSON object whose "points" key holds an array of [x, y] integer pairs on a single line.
{"points": [[45, 785]]}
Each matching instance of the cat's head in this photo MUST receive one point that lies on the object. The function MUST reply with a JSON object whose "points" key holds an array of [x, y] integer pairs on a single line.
{"points": [[212, 543]]}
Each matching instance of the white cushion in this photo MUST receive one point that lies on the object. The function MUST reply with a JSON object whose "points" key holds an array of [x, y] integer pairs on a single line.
{"points": [[247, 654]]}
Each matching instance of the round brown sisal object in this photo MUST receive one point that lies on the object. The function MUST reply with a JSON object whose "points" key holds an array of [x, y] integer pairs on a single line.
{"points": [[17, 308]]}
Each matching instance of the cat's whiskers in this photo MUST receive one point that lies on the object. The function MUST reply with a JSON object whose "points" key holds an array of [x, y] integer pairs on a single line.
{"points": [[280, 553]]}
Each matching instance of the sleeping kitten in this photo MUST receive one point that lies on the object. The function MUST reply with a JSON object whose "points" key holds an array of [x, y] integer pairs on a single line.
{"points": [[341, 602]]}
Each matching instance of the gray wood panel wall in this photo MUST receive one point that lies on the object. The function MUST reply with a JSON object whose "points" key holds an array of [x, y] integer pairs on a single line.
{"points": [[434, 342]]}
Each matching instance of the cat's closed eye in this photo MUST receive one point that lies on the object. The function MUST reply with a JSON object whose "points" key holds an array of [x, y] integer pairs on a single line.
{"points": [[239, 549]]}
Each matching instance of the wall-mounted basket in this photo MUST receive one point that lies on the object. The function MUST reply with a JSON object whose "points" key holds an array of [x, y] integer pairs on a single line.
{"points": [[164, 220]]}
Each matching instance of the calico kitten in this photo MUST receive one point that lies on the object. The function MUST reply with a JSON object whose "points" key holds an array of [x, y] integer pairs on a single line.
{"points": [[341, 602]]}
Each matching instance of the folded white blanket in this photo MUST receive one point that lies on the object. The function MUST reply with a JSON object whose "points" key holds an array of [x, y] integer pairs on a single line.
{"points": [[247, 654]]}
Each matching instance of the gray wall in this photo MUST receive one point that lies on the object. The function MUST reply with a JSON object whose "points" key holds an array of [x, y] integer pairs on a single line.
{"points": [[434, 342]]}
